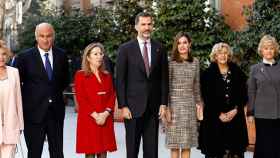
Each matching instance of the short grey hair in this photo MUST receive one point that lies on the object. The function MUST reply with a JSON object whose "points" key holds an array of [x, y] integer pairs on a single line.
{"points": [[43, 24]]}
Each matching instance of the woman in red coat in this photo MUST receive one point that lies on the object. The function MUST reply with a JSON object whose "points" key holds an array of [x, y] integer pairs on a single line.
{"points": [[96, 99]]}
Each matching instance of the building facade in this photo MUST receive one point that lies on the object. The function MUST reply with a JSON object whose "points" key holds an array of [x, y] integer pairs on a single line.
{"points": [[86, 5], [232, 10]]}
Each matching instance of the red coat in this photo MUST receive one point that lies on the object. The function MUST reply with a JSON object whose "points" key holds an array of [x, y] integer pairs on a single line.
{"points": [[94, 96]]}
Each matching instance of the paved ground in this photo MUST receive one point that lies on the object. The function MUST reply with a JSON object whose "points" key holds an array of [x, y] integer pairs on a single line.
{"points": [[69, 142]]}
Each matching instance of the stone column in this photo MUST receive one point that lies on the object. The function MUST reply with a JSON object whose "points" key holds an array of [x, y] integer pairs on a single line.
{"points": [[2, 17]]}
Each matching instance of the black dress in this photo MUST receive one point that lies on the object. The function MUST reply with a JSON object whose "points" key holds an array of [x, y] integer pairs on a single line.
{"points": [[222, 93]]}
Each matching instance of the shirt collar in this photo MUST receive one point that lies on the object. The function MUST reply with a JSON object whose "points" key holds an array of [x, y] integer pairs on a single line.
{"points": [[42, 52], [269, 63], [141, 41]]}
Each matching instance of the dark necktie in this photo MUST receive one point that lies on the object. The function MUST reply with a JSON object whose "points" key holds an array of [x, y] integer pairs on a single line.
{"points": [[146, 59], [48, 66]]}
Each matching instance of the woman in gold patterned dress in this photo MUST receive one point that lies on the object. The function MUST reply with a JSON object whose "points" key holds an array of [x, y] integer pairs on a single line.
{"points": [[184, 98]]}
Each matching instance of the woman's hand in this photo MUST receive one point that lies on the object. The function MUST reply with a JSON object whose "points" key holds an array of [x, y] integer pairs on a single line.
{"points": [[199, 111], [166, 120], [231, 114], [94, 115], [168, 115], [227, 117], [223, 117], [100, 118]]}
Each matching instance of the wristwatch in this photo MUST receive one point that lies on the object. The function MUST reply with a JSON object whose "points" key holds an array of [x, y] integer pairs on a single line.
{"points": [[108, 110]]}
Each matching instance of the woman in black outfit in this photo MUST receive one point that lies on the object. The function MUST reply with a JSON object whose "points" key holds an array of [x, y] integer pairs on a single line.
{"points": [[223, 131]]}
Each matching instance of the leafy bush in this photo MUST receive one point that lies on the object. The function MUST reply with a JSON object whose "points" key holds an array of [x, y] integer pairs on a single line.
{"points": [[115, 25], [263, 18], [205, 27]]}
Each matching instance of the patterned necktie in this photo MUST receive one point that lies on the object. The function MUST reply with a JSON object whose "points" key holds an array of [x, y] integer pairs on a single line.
{"points": [[48, 66], [146, 59]]}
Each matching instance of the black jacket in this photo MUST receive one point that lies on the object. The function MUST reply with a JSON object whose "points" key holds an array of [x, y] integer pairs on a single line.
{"points": [[38, 92], [216, 136], [135, 89]]}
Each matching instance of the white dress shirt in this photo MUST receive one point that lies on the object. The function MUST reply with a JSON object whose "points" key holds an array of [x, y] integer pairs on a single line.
{"points": [[141, 45], [42, 53], [3, 89]]}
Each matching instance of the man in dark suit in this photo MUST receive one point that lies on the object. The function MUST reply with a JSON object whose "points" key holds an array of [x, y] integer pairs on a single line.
{"points": [[12, 61], [142, 88], [44, 75]]}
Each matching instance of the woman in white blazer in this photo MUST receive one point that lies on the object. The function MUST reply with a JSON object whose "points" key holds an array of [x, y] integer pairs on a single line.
{"points": [[11, 117]]}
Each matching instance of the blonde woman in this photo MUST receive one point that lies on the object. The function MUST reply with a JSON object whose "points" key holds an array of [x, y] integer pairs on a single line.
{"points": [[96, 99], [264, 94], [11, 117], [223, 131]]}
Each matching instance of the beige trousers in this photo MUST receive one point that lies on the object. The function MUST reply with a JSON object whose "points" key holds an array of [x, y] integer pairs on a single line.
{"points": [[7, 151]]}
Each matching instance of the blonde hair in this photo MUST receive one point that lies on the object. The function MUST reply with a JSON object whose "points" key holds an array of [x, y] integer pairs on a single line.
{"points": [[268, 39], [7, 51], [218, 47], [85, 62]]}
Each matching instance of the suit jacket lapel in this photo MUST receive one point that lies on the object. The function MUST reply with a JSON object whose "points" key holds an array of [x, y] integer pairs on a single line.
{"points": [[154, 51], [55, 62], [139, 56], [263, 70], [40, 65]]}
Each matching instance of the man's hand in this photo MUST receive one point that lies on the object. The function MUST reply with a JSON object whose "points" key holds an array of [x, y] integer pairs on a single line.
{"points": [[251, 119], [162, 111], [126, 113]]}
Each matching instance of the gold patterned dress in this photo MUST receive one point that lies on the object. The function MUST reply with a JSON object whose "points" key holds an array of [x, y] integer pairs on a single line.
{"points": [[184, 93]]}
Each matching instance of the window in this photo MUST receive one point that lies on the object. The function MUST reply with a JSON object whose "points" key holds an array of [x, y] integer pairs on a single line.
{"points": [[215, 4]]}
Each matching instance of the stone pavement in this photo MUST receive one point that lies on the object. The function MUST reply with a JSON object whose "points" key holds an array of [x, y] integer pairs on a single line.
{"points": [[69, 141]]}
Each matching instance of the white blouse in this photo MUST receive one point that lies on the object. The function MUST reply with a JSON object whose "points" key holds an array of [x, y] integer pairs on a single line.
{"points": [[3, 90]]}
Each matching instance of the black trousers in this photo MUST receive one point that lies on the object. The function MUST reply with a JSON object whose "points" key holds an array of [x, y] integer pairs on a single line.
{"points": [[267, 138], [146, 127], [35, 135]]}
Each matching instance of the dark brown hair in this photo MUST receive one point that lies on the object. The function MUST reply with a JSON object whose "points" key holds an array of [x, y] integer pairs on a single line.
{"points": [[142, 14], [175, 56]]}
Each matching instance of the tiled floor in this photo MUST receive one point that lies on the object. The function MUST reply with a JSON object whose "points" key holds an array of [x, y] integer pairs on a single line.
{"points": [[69, 142]]}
